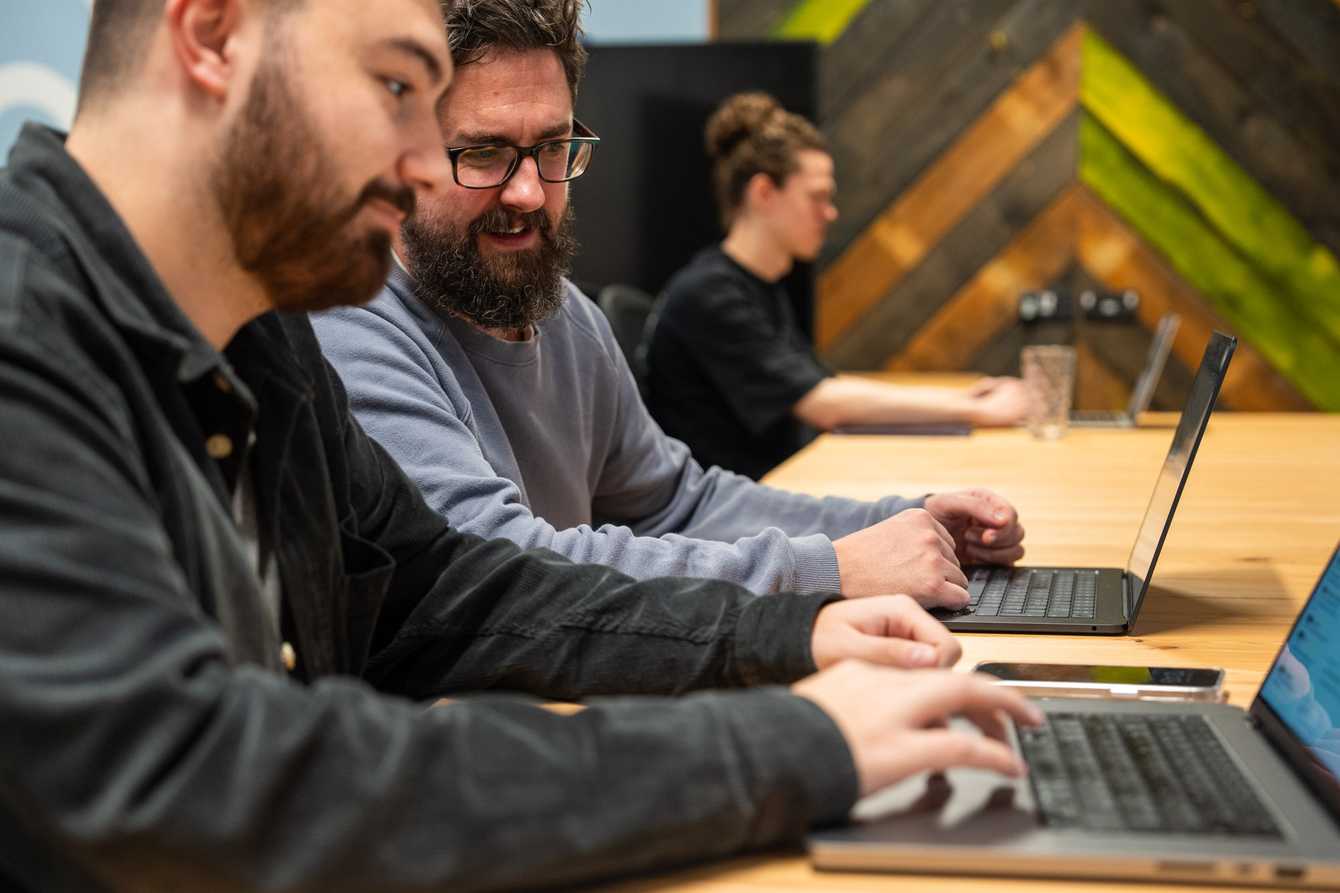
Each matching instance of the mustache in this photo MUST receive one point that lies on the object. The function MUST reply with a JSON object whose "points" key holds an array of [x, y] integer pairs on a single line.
{"points": [[401, 198], [498, 219]]}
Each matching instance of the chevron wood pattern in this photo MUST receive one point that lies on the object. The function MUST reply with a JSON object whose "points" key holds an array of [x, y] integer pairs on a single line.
{"points": [[900, 238], [987, 147]]}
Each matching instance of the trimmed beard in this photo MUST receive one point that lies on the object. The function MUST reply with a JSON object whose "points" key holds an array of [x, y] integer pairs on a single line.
{"points": [[279, 198], [510, 291]]}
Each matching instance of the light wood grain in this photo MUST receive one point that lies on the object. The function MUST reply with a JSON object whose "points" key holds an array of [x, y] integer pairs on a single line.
{"points": [[1259, 517]]}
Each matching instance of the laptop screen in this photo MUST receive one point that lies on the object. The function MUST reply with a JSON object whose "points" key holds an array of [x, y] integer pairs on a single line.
{"points": [[1159, 347], [1303, 686], [1158, 514]]}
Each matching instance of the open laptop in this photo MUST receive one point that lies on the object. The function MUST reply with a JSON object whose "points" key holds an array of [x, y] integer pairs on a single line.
{"points": [[1148, 380], [1147, 790], [1097, 600]]}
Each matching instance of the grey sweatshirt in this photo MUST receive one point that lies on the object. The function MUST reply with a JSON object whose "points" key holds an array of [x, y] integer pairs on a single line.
{"points": [[547, 443]]}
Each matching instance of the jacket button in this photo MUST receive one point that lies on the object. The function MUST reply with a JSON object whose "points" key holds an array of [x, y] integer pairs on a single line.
{"points": [[219, 446], [288, 657]]}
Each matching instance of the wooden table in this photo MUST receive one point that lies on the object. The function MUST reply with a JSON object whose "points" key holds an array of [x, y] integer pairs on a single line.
{"points": [[1259, 517]]}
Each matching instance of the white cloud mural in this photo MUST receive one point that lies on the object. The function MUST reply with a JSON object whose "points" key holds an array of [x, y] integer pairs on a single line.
{"points": [[35, 86]]}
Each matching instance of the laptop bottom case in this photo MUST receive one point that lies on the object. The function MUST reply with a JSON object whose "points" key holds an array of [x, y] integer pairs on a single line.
{"points": [[978, 823]]}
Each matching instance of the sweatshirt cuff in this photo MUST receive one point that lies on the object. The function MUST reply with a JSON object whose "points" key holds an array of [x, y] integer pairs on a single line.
{"points": [[773, 636], [816, 566], [804, 773], [892, 505]]}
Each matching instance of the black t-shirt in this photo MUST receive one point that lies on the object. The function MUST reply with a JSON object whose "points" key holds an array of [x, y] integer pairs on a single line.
{"points": [[726, 364]]}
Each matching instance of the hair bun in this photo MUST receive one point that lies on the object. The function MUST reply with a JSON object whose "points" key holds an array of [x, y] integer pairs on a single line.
{"points": [[737, 119]]}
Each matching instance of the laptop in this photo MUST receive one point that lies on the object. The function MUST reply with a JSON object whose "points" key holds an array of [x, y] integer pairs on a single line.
{"points": [[1145, 384], [1097, 600], [1140, 790]]}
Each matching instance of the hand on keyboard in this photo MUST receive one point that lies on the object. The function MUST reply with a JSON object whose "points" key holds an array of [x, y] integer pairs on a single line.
{"points": [[983, 525], [910, 553], [895, 721]]}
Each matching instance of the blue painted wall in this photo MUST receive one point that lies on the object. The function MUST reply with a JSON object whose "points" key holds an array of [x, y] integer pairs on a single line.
{"points": [[42, 43], [651, 21]]}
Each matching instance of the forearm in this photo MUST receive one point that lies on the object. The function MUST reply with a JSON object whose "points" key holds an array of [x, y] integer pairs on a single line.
{"points": [[851, 400], [200, 776], [531, 621]]}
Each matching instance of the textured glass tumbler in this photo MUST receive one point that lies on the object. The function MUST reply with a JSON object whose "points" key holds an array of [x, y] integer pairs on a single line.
{"points": [[1049, 374]]}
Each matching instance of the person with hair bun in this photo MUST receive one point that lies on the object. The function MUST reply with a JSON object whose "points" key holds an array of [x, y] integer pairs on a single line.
{"points": [[730, 372]]}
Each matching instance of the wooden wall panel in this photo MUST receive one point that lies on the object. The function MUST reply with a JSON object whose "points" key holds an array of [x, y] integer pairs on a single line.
{"points": [[1303, 177], [901, 237], [987, 229], [933, 90], [989, 302], [1218, 166]]}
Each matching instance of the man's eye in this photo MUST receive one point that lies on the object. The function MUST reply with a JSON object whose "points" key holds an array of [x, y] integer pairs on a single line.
{"points": [[395, 87]]}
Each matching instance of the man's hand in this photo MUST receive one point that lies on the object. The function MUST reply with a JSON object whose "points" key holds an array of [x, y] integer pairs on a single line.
{"points": [[910, 553], [887, 629], [984, 526], [999, 402], [895, 720]]}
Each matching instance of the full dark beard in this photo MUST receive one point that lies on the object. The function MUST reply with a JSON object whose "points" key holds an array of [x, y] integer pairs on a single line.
{"points": [[280, 200], [511, 291]]}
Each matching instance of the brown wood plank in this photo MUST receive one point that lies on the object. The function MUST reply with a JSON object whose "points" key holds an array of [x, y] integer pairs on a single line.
{"points": [[1312, 28], [750, 19], [1304, 177], [1280, 81], [1097, 385], [987, 229], [1116, 256], [988, 303], [927, 96], [900, 238], [868, 46]]}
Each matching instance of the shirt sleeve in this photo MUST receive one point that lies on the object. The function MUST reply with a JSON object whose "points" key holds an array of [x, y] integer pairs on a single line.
{"points": [[653, 484], [424, 423], [144, 757], [760, 369]]}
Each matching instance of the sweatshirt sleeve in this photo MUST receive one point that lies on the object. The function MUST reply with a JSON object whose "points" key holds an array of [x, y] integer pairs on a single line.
{"points": [[423, 419]]}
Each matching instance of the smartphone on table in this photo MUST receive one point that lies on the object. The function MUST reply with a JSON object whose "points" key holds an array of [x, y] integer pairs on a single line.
{"points": [[1098, 681]]}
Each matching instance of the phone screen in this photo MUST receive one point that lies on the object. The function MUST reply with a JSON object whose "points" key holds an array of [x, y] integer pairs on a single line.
{"points": [[1183, 676]]}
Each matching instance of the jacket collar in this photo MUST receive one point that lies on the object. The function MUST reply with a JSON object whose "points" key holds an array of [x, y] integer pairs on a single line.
{"points": [[102, 247]]}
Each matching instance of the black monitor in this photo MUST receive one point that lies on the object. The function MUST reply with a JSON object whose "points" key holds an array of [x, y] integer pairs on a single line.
{"points": [[646, 205]]}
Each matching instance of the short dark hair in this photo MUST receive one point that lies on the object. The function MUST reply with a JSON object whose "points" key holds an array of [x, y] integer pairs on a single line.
{"points": [[118, 35], [477, 27], [748, 134]]}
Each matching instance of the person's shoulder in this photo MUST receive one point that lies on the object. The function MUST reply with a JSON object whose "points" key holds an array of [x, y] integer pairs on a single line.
{"points": [[35, 294], [701, 289], [389, 310]]}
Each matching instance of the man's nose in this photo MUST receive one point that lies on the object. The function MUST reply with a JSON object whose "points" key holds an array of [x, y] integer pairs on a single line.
{"points": [[524, 191]]}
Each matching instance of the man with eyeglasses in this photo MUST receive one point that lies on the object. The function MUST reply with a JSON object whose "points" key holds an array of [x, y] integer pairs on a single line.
{"points": [[501, 391]]}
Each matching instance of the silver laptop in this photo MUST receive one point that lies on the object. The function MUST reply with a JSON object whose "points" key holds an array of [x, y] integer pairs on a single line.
{"points": [[1147, 790], [1101, 600], [1145, 384]]}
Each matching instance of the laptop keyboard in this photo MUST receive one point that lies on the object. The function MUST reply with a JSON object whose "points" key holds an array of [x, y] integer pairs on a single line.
{"points": [[1029, 592], [1139, 772]]}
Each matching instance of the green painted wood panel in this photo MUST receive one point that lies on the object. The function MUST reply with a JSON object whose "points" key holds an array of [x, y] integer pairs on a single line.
{"points": [[1238, 290], [1260, 230], [821, 20]]}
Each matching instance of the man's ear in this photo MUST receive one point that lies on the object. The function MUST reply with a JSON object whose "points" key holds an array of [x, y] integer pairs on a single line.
{"points": [[200, 32], [760, 190]]}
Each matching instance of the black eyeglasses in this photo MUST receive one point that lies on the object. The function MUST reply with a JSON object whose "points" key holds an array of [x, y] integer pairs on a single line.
{"points": [[558, 161]]}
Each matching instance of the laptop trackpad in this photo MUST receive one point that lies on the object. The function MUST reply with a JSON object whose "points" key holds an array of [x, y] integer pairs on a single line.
{"points": [[976, 805]]}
